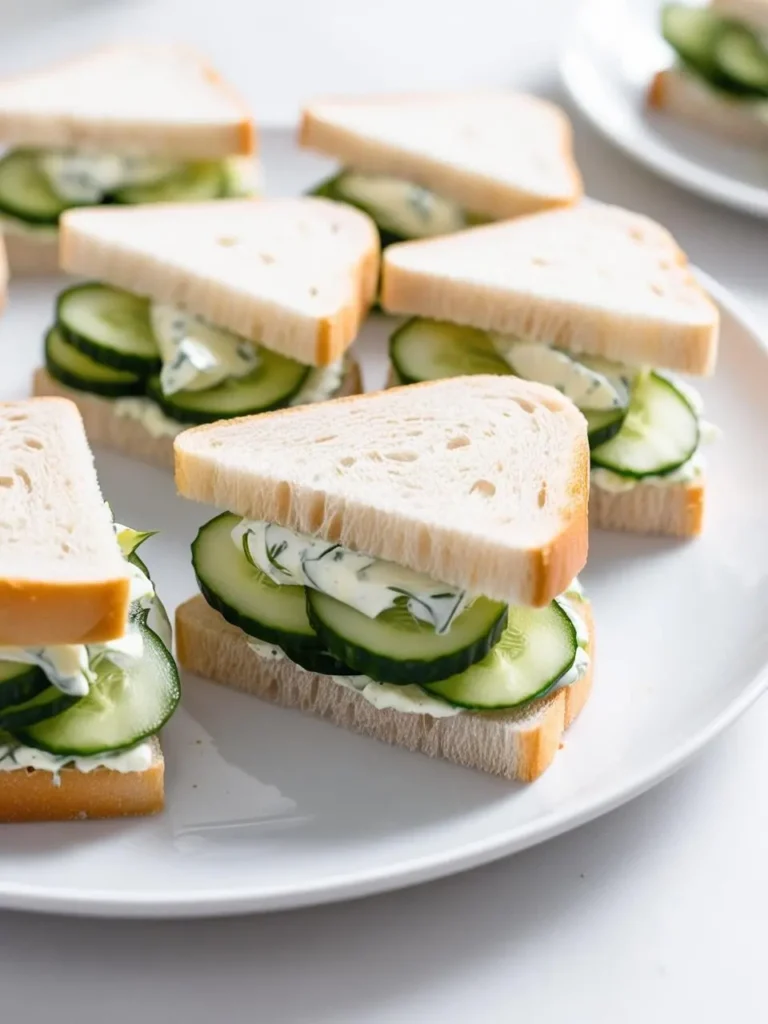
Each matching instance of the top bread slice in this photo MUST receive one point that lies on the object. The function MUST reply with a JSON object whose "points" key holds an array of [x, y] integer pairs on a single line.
{"points": [[155, 98], [593, 278], [498, 154], [296, 275], [480, 482], [63, 579], [753, 12]]}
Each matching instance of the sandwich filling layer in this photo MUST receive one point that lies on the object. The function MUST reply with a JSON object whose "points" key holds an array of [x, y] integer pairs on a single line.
{"points": [[95, 705], [395, 636], [38, 186], [725, 54], [169, 368], [401, 210], [644, 425]]}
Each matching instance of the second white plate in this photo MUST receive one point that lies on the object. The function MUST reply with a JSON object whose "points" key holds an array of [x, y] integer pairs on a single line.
{"points": [[607, 65]]}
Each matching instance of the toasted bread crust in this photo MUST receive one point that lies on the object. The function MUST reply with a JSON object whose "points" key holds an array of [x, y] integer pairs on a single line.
{"points": [[493, 199], [513, 746], [28, 794], [30, 256], [128, 436], [673, 510]]}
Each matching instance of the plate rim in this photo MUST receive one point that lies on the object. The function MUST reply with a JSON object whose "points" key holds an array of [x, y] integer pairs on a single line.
{"points": [[675, 167], [426, 867]]}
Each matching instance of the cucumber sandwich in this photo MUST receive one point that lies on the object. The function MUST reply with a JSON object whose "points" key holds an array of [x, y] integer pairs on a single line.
{"points": [[430, 165], [720, 79], [125, 124], [595, 301], [402, 563], [205, 312], [87, 679]]}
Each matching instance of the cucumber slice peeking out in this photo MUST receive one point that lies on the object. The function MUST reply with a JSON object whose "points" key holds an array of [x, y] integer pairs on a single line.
{"points": [[25, 191], [431, 350], [536, 649], [196, 182], [741, 56], [45, 704], [397, 648], [110, 326], [693, 33], [659, 434], [123, 707], [75, 369], [271, 385], [20, 683]]}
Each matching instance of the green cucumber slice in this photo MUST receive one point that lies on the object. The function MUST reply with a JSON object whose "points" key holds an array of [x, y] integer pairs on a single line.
{"points": [[25, 191], [397, 648], [327, 189], [75, 369], [431, 350], [46, 704], [659, 434], [196, 182], [603, 424], [742, 58], [693, 33], [20, 683], [110, 326], [535, 650], [151, 610], [123, 706], [271, 385], [244, 595]]}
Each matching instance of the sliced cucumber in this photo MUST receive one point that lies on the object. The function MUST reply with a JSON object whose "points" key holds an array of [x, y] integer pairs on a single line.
{"points": [[431, 350], [244, 595], [25, 191], [397, 648], [603, 425], [76, 370], [196, 182], [742, 58], [47, 703], [660, 433], [123, 706], [318, 660], [535, 650], [110, 326], [271, 385], [693, 33], [20, 683], [151, 609]]}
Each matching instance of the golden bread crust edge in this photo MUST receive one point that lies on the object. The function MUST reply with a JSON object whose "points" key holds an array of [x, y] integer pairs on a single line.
{"points": [[670, 510], [512, 747]]}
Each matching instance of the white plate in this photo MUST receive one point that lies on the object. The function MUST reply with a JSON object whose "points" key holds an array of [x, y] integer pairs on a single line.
{"points": [[270, 809], [607, 65]]}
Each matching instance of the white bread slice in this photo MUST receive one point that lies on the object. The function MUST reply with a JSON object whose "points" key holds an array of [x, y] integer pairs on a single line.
{"points": [[672, 510], [753, 12], [140, 97], [62, 577], [296, 275], [500, 154], [29, 794], [515, 745], [480, 482], [30, 255], [127, 436], [593, 278], [685, 96]]}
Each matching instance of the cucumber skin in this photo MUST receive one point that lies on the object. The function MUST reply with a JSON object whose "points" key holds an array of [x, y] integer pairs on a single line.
{"points": [[22, 688], [196, 418], [385, 670], [26, 714], [599, 435], [100, 353], [327, 190], [318, 660], [103, 389]]}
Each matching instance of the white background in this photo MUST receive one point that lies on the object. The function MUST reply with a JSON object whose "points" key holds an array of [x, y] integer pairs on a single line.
{"points": [[656, 912]]}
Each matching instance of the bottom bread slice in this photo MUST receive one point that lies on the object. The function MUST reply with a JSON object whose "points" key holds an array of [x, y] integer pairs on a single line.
{"points": [[29, 794], [515, 745], [684, 96], [129, 436], [28, 255], [673, 510]]}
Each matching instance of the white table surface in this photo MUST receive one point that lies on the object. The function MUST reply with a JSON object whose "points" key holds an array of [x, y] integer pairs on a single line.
{"points": [[655, 912]]}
